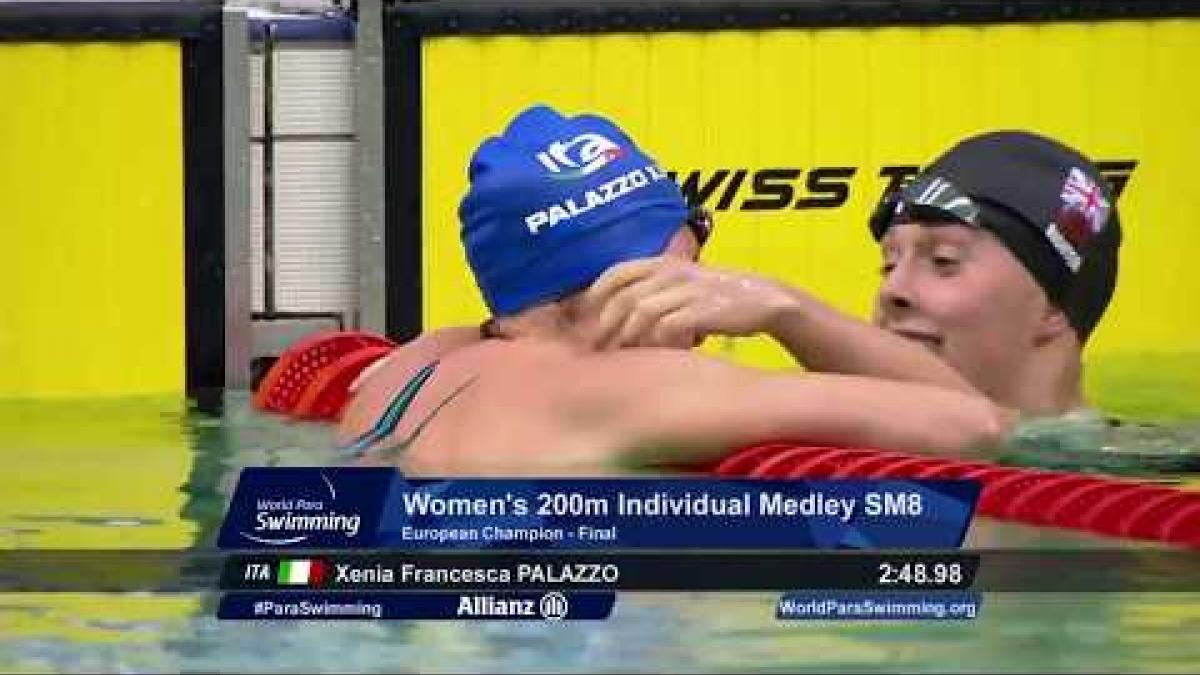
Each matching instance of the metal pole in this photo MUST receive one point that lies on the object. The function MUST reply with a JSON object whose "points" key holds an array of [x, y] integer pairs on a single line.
{"points": [[237, 200], [372, 309]]}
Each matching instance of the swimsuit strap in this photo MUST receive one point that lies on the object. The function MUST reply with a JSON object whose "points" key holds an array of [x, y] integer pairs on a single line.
{"points": [[396, 408]]}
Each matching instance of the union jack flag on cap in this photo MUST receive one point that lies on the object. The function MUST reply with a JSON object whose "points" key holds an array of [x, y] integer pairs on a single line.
{"points": [[1082, 214]]}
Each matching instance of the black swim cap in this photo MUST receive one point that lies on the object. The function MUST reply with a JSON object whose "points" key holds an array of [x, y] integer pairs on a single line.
{"points": [[1045, 201]]}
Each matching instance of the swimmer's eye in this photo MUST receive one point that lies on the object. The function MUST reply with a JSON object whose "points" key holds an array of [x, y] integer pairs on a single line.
{"points": [[945, 263], [886, 268]]}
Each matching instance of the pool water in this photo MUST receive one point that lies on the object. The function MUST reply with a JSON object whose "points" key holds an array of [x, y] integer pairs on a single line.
{"points": [[153, 473]]}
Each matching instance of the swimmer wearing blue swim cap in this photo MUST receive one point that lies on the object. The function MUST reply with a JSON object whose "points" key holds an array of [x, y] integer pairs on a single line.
{"points": [[555, 201], [562, 218]]}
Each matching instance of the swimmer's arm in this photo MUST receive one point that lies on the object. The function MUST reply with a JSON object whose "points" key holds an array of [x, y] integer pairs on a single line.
{"points": [[659, 301], [703, 407], [827, 341]]}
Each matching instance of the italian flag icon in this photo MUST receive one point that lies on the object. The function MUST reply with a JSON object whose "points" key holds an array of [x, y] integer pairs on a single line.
{"points": [[302, 572]]}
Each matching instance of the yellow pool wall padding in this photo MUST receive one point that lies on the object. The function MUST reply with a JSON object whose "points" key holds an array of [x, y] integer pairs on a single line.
{"points": [[91, 158], [863, 98]]}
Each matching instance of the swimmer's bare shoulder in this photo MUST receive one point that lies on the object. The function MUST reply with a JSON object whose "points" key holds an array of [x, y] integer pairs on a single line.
{"points": [[526, 404], [370, 392], [497, 405]]}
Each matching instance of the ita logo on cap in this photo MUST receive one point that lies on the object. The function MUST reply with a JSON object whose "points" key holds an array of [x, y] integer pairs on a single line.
{"points": [[581, 156], [1082, 214]]}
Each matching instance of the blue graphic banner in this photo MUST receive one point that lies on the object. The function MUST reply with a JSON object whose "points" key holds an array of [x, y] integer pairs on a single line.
{"points": [[511, 606], [345, 508]]}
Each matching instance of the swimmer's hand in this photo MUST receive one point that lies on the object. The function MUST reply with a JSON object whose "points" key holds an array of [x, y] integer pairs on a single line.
{"points": [[674, 303]]}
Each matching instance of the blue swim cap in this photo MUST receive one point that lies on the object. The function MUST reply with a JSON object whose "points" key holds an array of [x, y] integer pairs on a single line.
{"points": [[556, 201]]}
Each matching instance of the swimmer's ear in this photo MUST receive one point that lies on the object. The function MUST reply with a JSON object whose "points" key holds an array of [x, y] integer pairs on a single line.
{"points": [[1052, 324]]}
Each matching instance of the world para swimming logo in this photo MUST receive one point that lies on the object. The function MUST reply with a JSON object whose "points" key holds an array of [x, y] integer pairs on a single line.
{"points": [[581, 156], [290, 520]]}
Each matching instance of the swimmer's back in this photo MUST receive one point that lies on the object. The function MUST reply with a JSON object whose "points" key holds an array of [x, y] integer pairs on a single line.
{"points": [[482, 402], [415, 367]]}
